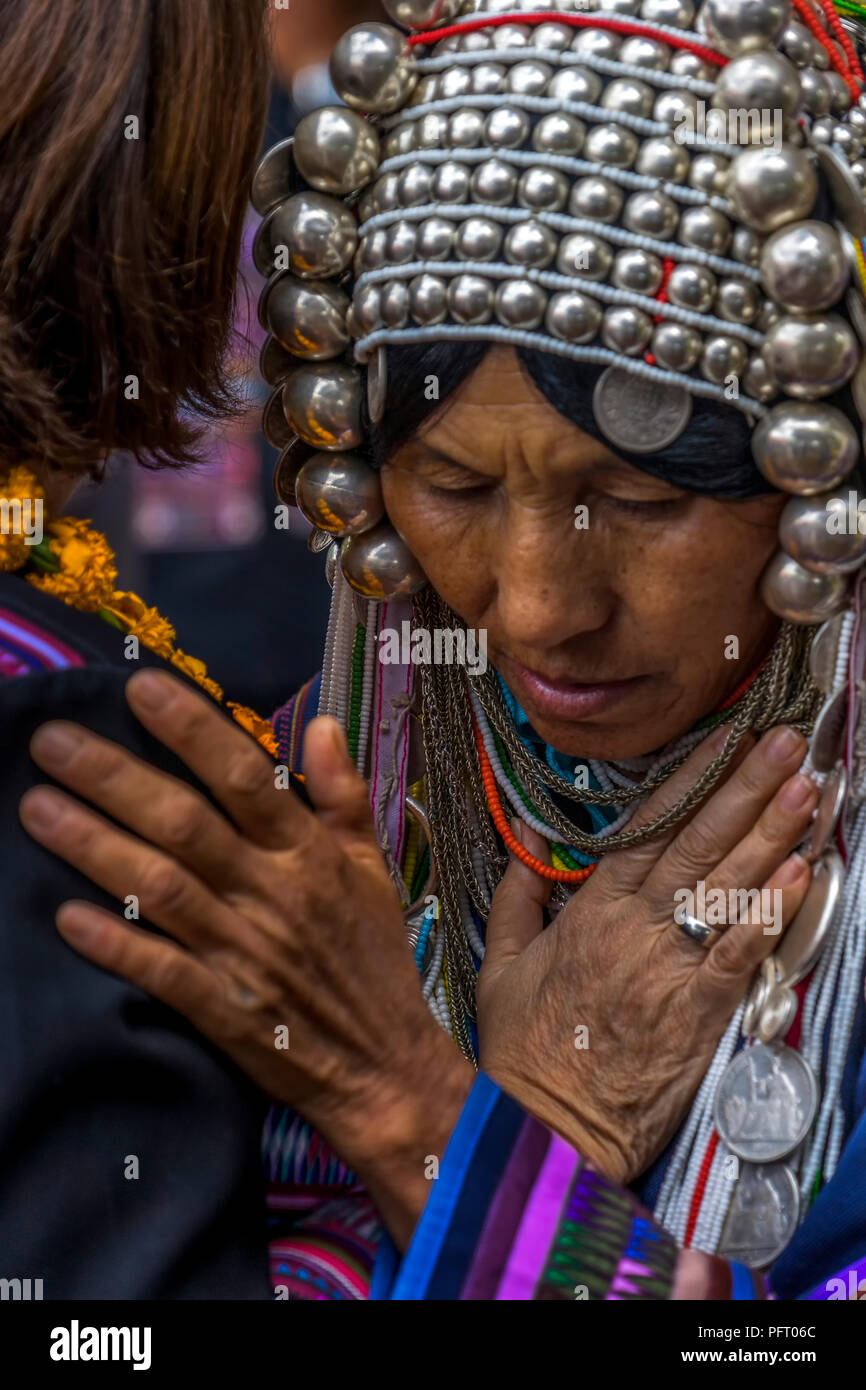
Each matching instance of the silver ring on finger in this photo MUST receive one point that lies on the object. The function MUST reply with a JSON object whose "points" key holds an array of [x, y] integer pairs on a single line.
{"points": [[697, 930]]}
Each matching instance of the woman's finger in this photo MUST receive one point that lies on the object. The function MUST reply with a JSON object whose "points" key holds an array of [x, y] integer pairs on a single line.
{"points": [[781, 826], [235, 768], [730, 813], [161, 890], [625, 870], [718, 984], [337, 791], [151, 962], [517, 911], [153, 804]]}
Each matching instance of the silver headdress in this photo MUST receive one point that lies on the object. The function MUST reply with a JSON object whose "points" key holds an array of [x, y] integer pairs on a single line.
{"points": [[631, 186]]}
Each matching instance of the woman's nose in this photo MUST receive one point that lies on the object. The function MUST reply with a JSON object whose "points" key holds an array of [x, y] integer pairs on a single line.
{"points": [[551, 585]]}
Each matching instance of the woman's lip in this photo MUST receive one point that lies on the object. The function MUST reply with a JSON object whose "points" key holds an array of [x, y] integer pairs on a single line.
{"points": [[569, 699]]}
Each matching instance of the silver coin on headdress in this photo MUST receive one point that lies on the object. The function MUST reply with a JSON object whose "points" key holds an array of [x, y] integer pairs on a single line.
{"points": [[638, 414]]}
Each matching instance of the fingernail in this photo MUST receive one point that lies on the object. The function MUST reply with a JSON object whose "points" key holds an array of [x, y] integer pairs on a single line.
{"points": [[152, 689], [40, 808], [782, 743], [791, 870], [56, 743], [75, 924], [797, 792]]}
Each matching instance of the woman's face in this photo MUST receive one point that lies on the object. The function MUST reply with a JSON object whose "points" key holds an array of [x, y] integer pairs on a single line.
{"points": [[616, 634]]}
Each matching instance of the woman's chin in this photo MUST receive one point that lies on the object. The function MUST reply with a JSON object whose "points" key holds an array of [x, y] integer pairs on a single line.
{"points": [[608, 740]]}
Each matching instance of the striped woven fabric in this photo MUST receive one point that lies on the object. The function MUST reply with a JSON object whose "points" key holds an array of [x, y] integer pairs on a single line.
{"points": [[26, 648]]}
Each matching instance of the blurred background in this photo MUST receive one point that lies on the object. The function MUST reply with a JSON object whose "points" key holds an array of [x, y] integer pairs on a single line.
{"points": [[249, 600]]}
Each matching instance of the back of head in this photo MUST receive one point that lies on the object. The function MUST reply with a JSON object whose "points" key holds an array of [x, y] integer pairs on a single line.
{"points": [[128, 129]]}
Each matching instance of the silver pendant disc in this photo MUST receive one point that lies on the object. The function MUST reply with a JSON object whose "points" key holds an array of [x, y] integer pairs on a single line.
{"points": [[765, 1103], [844, 190], [828, 737], [822, 653], [762, 1216], [638, 414], [828, 811], [801, 944]]}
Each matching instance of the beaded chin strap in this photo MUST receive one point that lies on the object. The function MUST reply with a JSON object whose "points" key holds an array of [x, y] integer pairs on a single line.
{"points": [[633, 187]]}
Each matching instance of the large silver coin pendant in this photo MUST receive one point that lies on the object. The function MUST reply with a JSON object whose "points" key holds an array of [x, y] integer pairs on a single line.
{"points": [[765, 1102], [762, 1216], [637, 414]]}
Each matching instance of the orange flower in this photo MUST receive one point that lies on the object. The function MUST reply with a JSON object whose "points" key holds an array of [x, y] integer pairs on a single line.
{"points": [[197, 671], [153, 630], [255, 725]]}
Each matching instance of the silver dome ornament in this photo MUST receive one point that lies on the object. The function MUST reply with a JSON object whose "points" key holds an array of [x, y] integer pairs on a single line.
{"points": [[651, 214], [431, 131], [371, 68], [322, 404], [531, 244], [451, 183], [575, 84], [379, 565], [263, 249], [708, 171], [691, 287], [847, 140], [746, 246], [757, 382], [622, 7], [815, 92], [520, 304], [705, 228], [804, 448], [366, 307], [638, 270], [385, 196], [769, 315], [677, 14], [797, 44], [454, 82], [572, 316], [818, 532], [414, 185], [840, 97], [493, 182], [723, 358], [804, 267], [479, 239], [764, 82], [275, 363], [641, 52], [395, 304], [542, 190], [529, 79], [686, 64], [366, 204], [276, 428], [741, 26], [811, 356], [336, 150], [845, 191], [275, 178], [435, 240], [769, 188], [488, 79], [581, 253], [663, 158], [507, 127], [371, 253], [822, 131], [428, 299], [676, 347], [377, 385], [858, 171], [401, 238], [511, 36], [799, 595], [319, 233], [470, 299], [554, 36], [627, 94], [288, 465], [596, 197], [265, 295], [559, 133], [422, 14], [627, 330], [676, 108], [309, 318], [466, 128], [424, 91], [340, 493], [598, 43], [738, 301], [611, 144]]}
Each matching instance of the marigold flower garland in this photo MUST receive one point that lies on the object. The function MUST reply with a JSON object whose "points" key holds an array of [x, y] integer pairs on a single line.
{"points": [[75, 563]]}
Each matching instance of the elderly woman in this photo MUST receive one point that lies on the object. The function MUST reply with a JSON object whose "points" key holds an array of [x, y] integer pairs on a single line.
{"points": [[599, 356]]}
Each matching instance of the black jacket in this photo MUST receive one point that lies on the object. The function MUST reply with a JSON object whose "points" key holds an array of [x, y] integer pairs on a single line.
{"points": [[93, 1072]]}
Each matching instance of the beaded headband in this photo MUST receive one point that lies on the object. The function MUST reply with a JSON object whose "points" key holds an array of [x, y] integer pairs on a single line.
{"points": [[633, 187]]}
